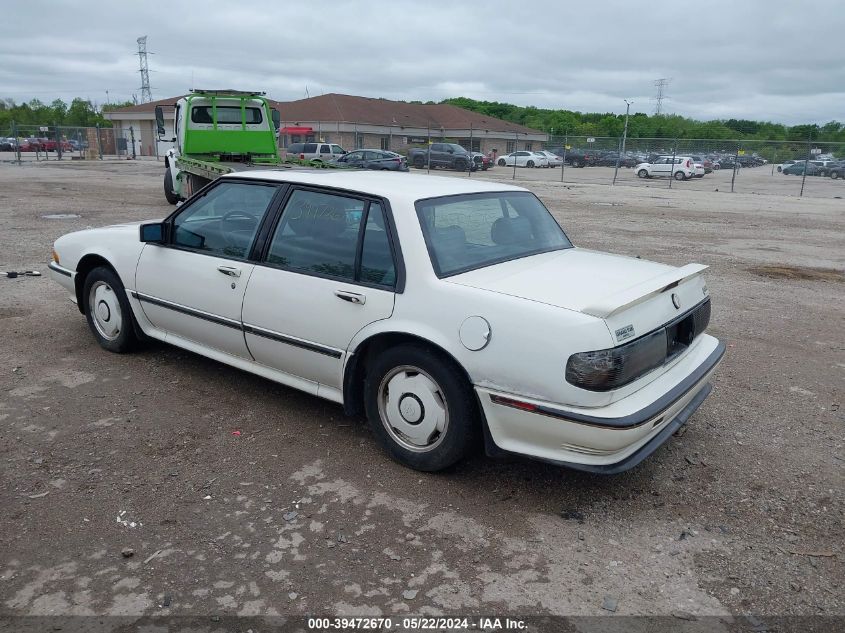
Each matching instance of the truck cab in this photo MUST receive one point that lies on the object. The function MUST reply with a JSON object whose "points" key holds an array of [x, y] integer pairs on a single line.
{"points": [[216, 132]]}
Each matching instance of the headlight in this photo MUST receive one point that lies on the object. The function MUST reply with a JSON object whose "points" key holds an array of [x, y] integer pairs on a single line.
{"points": [[608, 369]]}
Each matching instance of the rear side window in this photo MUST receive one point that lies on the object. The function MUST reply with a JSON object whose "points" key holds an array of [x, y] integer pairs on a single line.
{"points": [[225, 114], [310, 148]]}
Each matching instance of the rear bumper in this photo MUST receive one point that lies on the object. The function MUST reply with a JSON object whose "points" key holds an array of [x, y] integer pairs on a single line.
{"points": [[608, 439]]}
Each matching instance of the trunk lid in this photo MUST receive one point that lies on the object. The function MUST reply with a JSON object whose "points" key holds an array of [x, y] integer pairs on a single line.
{"points": [[633, 296]]}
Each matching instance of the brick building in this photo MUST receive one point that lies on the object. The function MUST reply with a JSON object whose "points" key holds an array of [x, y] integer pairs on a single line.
{"points": [[355, 122]]}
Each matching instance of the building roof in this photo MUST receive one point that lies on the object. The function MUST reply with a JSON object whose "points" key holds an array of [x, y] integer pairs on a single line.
{"points": [[375, 111], [334, 107]]}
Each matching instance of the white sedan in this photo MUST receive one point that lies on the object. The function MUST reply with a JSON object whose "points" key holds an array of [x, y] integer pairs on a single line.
{"points": [[522, 159], [553, 159], [453, 313]]}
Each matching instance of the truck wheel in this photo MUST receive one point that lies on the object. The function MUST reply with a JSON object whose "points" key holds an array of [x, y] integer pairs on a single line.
{"points": [[420, 407], [419, 162], [169, 194]]}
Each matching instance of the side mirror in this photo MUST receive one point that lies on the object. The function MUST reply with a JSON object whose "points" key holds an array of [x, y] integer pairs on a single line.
{"points": [[152, 232], [277, 119], [160, 121]]}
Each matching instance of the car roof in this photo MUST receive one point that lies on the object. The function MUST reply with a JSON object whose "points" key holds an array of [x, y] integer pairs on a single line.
{"points": [[387, 184]]}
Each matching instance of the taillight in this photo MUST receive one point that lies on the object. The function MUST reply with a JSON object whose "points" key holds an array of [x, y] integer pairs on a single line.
{"points": [[302, 157], [688, 165]]}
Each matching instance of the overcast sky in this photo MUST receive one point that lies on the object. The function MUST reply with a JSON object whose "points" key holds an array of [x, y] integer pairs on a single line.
{"points": [[756, 59]]}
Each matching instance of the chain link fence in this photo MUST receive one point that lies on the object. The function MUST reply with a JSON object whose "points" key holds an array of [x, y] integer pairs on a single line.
{"points": [[36, 143], [790, 168]]}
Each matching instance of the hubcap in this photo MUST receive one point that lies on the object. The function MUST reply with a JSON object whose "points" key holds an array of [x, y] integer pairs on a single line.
{"points": [[412, 408], [105, 310]]}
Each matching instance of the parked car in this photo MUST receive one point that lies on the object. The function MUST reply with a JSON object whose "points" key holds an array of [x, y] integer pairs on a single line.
{"points": [[455, 313], [553, 159], [7, 144], [836, 169], [797, 169], [482, 161], [317, 153], [608, 159], [682, 169], [447, 155], [31, 145], [522, 158], [785, 163], [577, 157], [372, 159], [705, 163]]}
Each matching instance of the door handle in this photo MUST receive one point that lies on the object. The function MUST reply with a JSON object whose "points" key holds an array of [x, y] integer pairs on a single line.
{"points": [[351, 297], [230, 270]]}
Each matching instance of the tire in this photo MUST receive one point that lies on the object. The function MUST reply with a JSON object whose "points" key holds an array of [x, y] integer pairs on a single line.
{"points": [[419, 162], [169, 194], [679, 175], [834, 174], [643, 173], [435, 390], [108, 312], [502, 162], [460, 165], [576, 163], [780, 169], [530, 163]]}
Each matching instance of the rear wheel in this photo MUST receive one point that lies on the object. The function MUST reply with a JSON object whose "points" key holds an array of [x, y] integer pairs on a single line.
{"points": [[643, 173], [419, 162], [835, 174], [108, 311], [679, 175], [530, 163], [169, 194], [421, 408]]}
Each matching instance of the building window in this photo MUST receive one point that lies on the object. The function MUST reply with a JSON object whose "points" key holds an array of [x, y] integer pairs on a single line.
{"points": [[528, 146], [385, 142], [295, 138], [475, 145], [309, 138], [511, 147]]}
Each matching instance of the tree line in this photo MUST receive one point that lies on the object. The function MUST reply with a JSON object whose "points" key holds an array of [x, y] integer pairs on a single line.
{"points": [[79, 113], [641, 125]]}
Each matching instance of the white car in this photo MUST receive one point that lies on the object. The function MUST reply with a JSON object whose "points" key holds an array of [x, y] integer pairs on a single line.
{"points": [[698, 170], [523, 159], [553, 159], [454, 312], [682, 169]]}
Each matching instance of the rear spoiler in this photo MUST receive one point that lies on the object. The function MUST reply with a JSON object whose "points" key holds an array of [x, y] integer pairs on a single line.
{"points": [[610, 305]]}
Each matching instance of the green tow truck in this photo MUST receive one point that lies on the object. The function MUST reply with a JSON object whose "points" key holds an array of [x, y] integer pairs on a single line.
{"points": [[217, 132]]}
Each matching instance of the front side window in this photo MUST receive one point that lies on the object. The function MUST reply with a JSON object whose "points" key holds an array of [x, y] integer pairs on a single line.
{"points": [[320, 233], [473, 231], [224, 220], [337, 149], [225, 114]]}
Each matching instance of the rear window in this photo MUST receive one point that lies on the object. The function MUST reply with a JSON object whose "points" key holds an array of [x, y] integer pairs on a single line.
{"points": [[472, 231], [225, 114]]}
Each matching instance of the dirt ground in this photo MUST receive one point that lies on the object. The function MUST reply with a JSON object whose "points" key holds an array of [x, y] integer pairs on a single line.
{"points": [[301, 513]]}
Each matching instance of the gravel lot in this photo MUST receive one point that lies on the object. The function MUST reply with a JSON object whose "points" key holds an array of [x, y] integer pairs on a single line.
{"points": [[302, 514]]}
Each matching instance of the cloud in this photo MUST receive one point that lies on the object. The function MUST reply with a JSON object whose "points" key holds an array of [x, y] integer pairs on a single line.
{"points": [[753, 59]]}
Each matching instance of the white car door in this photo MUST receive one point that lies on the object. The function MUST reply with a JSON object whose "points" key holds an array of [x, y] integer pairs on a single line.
{"points": [[193, 285], [661, 167], [328, 271]]}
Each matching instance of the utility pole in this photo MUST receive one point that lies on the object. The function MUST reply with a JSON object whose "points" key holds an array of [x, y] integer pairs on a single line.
{"points": [[146, 93], [660, 84], [624, 136]]}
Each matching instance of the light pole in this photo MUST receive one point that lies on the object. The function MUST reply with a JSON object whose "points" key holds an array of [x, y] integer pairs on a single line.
{"points": [[624, 137]]}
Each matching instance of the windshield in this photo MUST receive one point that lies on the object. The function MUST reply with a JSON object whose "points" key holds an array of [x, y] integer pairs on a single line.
{"points": [[472, 231]]}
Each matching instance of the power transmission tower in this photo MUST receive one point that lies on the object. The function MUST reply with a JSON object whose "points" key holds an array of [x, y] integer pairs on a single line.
{"points": [[658, 98], [146, 93]]}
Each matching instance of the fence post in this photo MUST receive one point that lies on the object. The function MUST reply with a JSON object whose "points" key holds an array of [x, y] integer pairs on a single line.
{"points": [[515, 150], [132, 137], [99, 142], [471, 157], [736, 166], [563, 164], [58, 141], [672, 166], [428, 162], [806, 162], [17, 143]]}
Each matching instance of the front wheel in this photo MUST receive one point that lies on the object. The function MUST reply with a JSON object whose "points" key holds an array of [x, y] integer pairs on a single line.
{"points": [[108, 311], [835, 174], [420, 407], [643, 173], [530, 163], [502, 162], [169, 194]]}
